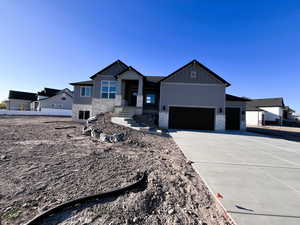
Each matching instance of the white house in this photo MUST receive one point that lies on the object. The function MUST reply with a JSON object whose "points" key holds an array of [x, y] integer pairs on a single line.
{"points": [[53, 99], [266, 111]]}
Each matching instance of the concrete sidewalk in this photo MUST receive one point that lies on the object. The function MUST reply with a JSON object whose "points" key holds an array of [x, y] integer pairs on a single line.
{"points": [[258, 176]]}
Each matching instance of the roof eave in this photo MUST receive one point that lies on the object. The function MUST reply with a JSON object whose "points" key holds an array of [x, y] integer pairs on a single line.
{"points": [[107, 67], [227, 84]]}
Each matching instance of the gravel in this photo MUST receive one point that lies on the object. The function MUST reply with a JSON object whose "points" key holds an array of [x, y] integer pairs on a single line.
{"points": [[44, 167]]}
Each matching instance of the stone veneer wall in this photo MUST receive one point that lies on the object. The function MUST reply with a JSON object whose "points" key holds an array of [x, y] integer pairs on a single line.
{"points": [[100, 105], [77, 107], [220, 122], [163, 120]]}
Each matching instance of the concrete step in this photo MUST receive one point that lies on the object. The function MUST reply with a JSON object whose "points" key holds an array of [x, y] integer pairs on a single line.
{"points": [[128, 122]]}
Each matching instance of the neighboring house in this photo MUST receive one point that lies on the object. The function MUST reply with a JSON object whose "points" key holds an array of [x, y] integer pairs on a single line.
{"points": [[266, 111], [53, 99], [288, 113], [192, 97], [18, 100], [47, 93]]}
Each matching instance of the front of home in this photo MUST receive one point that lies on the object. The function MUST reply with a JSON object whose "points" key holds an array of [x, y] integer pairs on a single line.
{"points": [[192, 97]]}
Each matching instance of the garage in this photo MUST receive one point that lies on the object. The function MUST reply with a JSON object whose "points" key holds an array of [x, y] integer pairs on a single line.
{"points": [[191, 118], [233, 118]]}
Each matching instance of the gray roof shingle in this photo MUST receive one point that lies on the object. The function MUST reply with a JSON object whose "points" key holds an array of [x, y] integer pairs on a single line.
{"points": [[154, 79], [87, 83], [22, 95], [264, 102], [236, 98]]}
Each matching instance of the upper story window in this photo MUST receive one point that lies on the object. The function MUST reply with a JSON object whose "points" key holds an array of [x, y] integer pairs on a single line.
{"points": [[108, 89], [85, 91]]}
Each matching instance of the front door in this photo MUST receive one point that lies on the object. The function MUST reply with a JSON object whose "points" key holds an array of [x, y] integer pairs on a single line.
{"points": [[233, 117], [133, 97]]}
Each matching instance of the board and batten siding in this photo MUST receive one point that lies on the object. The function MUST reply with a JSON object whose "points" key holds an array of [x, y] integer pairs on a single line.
{"points": [[184, 76]]}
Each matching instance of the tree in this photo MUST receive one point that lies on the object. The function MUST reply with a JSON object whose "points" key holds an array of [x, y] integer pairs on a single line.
{"points": [[2, 105]]}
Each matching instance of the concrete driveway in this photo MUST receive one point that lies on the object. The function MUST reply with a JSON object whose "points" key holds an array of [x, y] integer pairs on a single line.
{"points": [[258, 176]]}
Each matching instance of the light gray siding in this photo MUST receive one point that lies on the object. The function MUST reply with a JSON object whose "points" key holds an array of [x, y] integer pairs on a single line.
{"points": [[192, 95], [77, 99], [18, 104], [57, 102], [201, 76], [236, 104]]}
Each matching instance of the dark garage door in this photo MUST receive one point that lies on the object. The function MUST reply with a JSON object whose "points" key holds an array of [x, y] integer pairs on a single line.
{"points": [[191, 118], [233, 118]]}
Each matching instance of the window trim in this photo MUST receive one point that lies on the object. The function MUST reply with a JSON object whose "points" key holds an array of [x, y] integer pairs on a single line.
{"points": [[109, 86], [154, 99], [84, 114], [85, 95]]}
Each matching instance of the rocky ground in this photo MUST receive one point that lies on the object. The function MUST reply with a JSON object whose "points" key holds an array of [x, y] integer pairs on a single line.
{"points": [[41, 167]]}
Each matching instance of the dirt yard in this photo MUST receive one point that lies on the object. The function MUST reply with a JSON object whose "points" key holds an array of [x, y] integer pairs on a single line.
{"points": [[288, 133], [41, 167]]}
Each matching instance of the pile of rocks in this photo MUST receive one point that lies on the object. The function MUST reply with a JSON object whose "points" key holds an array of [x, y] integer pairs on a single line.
{"points": [[99, 134], [100, 127]]}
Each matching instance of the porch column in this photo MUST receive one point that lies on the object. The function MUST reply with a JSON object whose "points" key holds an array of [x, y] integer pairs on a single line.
{"points": [[118, 100], [139, 101]]}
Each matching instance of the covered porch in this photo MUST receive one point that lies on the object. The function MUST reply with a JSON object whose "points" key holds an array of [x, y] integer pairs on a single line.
{"points": [[129, 96]]}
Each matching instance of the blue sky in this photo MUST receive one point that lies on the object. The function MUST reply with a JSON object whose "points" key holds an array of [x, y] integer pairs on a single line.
{"points": [[255, 45]]}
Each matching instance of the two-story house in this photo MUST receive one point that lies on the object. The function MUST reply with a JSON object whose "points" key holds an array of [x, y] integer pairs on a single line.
{"points": [[192, 97]]}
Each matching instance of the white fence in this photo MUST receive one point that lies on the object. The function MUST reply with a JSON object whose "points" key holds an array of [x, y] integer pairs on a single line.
{"points": [[43, 112]]}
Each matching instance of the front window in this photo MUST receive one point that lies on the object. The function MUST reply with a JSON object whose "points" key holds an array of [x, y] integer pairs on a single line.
{"points": [[83, 115], [85, 91], [150, 99], [108, 89]]}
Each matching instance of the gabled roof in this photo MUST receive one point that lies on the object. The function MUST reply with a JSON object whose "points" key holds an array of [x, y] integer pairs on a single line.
{"points": [[202, 66], [154, 79], [287, 108], [130, 68], [266, 102], [83, 83], [109, 66], [22, 95], [48, 92], [66, 91], [236, 98], [253, 108]]}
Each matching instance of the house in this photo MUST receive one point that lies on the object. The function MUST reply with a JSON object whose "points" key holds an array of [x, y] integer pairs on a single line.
{"points": [[192, 97], [265, 111], [289, 113], [18, 100], [53, 99]]}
